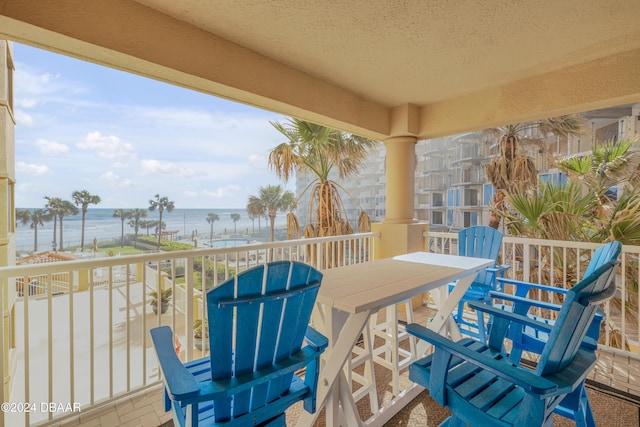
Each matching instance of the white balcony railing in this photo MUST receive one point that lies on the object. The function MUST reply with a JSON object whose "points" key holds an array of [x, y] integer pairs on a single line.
{"points": [[562, 264], [78, 331], [80, 335]]}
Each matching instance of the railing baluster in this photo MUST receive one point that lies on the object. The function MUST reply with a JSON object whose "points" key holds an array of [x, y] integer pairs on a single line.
{"points": [[110, 317], [72, 367], [127, 323], [91, 340]]}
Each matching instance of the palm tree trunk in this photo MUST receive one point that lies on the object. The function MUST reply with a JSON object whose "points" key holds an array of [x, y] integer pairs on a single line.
{"points": [[498, 203], [84, 214], [55, 230], [159, 229], [272, 221], [35, 238], [61, 242]]}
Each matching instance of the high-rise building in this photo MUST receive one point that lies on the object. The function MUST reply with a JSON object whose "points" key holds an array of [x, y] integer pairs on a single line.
{"points": [[451, 187]]}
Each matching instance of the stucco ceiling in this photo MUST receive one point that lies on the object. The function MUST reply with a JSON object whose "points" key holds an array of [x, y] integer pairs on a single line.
{"points": [[378, 68], [420, 52]]}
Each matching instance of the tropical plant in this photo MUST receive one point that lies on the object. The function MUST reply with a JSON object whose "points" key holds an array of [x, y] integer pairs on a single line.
{"points": [[273, 199], [37, 218], [235, 217], [200, 329], [512, 172], [161, 203], [255, 209], [84, 198], [23, 216], [211, 218], [148, 224], [584, 208], [609, 165], [136, 222], [165, 298], [123, 214], [52, 206], [63, 209], [318, 149]]}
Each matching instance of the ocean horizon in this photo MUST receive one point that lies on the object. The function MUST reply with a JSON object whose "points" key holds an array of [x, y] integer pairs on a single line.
{"points": [[103, 226]]}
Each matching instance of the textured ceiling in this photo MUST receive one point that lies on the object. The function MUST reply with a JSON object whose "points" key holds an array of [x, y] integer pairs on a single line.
{"points": [[419, 52], [373, 67]]}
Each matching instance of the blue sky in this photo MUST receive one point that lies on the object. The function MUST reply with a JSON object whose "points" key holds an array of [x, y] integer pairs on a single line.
{"points": [[81, 126]]}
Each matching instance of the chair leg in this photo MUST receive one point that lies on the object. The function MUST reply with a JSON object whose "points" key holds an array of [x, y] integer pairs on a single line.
{"points": [[389, 354]]}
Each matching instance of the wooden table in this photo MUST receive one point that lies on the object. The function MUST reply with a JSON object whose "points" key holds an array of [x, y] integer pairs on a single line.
{"points": [[347, 298]]}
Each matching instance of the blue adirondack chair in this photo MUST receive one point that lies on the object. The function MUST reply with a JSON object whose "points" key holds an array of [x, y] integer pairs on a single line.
{"points": [[482, 386], [257, 324], [527, 339], [575, 405], [480, 242]]}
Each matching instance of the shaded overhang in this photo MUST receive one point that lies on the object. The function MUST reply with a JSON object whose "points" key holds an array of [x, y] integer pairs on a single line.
{"points": [[379, 69]]}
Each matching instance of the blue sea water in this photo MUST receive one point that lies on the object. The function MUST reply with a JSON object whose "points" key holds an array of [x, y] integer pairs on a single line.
{"points": [[102, 225]]}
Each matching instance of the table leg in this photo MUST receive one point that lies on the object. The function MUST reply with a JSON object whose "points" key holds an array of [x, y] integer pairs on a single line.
{"points": [[343, 335], [443, 323]]}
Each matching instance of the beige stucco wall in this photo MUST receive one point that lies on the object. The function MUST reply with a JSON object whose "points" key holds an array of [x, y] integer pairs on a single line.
{"points": [[7, 206]]}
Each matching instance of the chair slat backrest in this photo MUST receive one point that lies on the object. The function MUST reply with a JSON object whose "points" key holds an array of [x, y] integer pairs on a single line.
{"points": [[574, 318], [256, 319], [602, 255], [481, 242]]}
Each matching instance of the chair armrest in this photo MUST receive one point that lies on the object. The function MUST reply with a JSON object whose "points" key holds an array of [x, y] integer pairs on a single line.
{"points": [[529, 285], [499, 268], [316, 340], [525, 301], [179, 383], [573, 374], [522, 377], [510, 316]]}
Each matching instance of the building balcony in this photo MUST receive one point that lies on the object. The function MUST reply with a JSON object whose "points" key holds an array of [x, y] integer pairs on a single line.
{"points": [[109, 369]]}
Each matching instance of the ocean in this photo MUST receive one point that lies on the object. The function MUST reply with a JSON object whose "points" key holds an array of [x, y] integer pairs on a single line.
{"points": [[102, 225]]}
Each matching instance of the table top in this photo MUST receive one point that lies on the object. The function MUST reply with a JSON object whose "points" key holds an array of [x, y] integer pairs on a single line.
{"points": [[380, 283]]}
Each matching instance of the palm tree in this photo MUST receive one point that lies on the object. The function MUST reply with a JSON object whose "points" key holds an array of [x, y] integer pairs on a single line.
{"points": [[609, 164], [23, 216], [136, 222], [318, 149], [235, 217], [255, 209], [66, 208], [52, 206], [511, 172], [161, 203], [147, 224], [123, 214], [84, 198], [274, 200], [211, 218], [37, 218]]}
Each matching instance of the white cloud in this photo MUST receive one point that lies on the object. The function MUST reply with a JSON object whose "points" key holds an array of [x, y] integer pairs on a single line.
{"points": [[31, 169], [222, 192], [115, 180], [30, 81], [258, 161], [190, 193], [27, 102], [166, 168], [119, 165], [51, 147], [107, 147], [23, 118]]}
